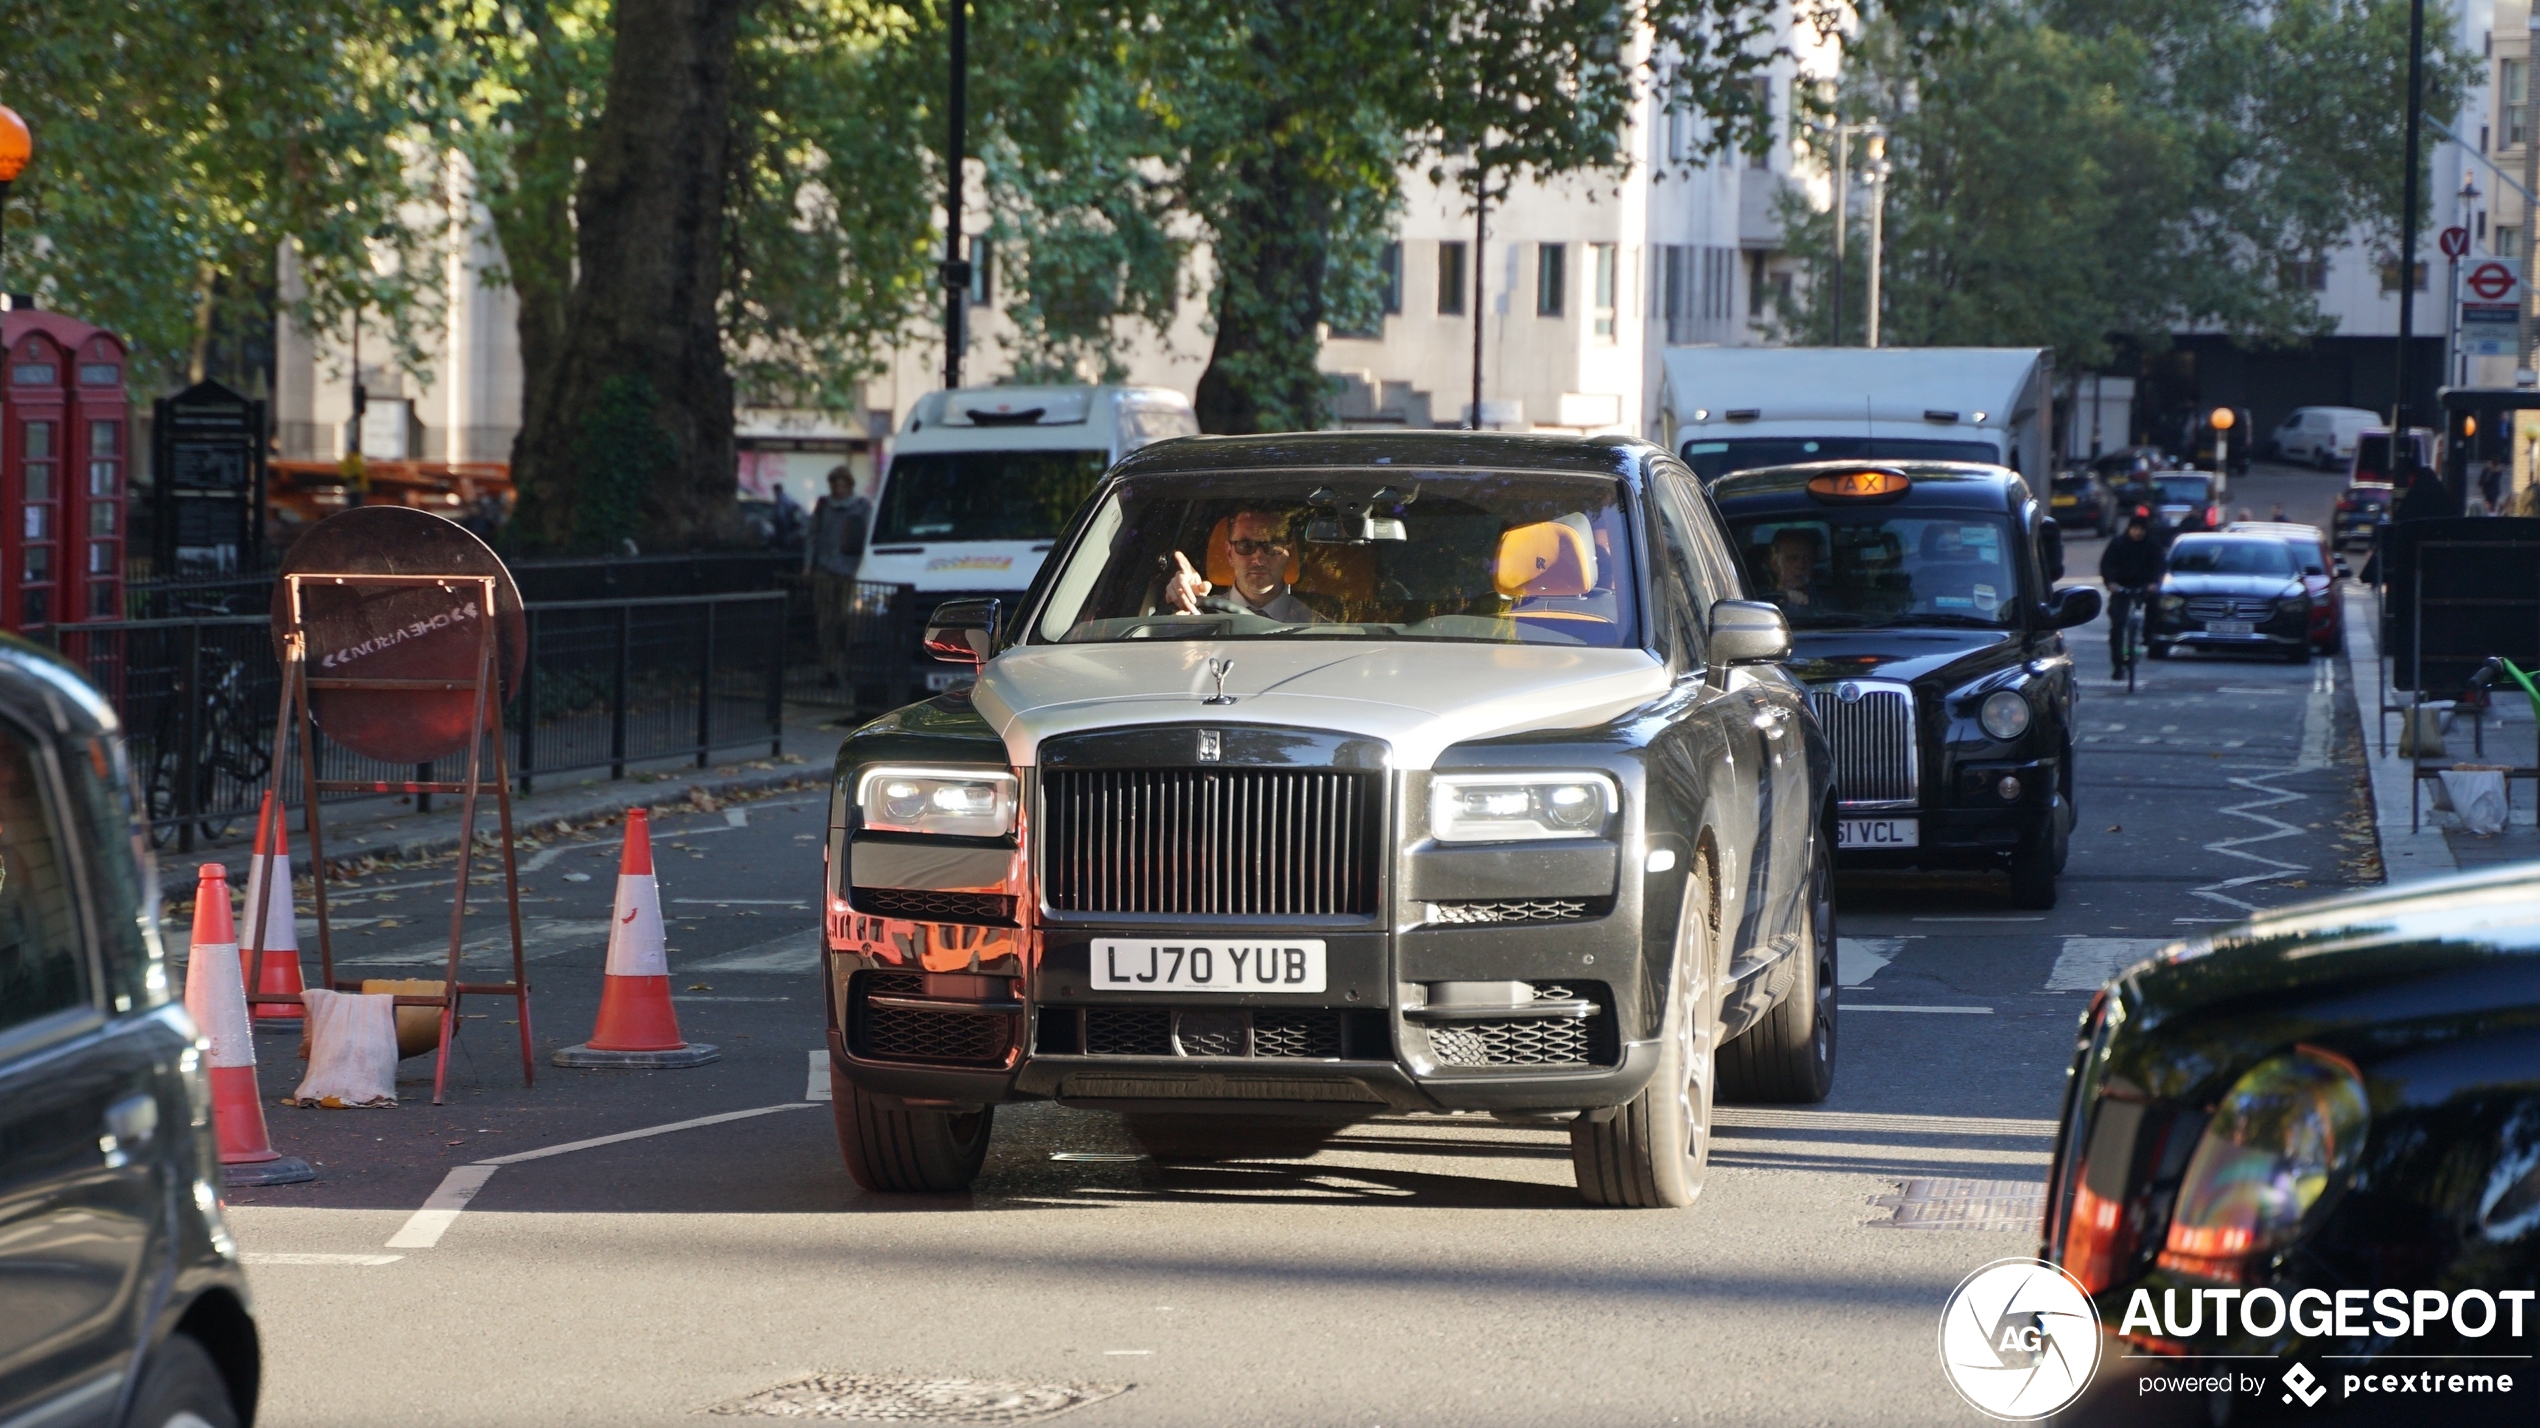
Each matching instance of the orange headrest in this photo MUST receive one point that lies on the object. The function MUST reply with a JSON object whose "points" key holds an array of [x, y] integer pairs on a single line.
{"points": [[1221, 561], [1548, 558]]}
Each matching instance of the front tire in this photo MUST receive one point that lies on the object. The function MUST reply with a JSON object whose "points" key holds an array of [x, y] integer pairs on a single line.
{"points": [[1789, 1055], [892, 1149], [1656, 1151], [182, 1388]]}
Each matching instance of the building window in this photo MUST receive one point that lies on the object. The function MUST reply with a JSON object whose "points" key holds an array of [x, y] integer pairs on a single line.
{"points": [[1760, 92], [1601, 260], [1676, 286], [2508, 240], [1552, 279], [1450, 280], [2390, 275], [982, 262], [1389, 264], [2513, 98], [2304, 275]]}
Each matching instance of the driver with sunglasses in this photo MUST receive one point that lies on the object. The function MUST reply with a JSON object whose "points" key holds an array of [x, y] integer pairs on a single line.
{"points": [[1259, 547]]}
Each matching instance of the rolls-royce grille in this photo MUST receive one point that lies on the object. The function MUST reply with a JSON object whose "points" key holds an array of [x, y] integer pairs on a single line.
{"points": [[1872, 739], [2222, 607], [1224, 842], [934, 905]]}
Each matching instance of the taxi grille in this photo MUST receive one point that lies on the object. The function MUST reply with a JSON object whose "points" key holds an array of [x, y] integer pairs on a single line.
{"points": [[1872, 739], [1214, 842]]}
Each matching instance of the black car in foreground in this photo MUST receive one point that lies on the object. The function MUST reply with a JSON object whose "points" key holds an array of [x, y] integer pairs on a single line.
{"points": [[1926, 625], [2321, 1129], [1327, 775], [2233, 593], [121, 1299]]}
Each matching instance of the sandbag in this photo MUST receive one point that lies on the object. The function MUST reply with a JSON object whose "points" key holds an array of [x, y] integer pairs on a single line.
{"points": [[2477, 794], [2421, 731], [418, 1028], [352, 1050]]}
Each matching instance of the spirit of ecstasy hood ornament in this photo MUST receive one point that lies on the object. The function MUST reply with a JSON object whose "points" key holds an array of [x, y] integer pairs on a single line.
{"points": [[1220, 668]]}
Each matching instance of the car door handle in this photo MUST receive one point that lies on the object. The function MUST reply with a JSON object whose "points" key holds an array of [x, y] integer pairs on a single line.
{"points": [[130, 1123]]}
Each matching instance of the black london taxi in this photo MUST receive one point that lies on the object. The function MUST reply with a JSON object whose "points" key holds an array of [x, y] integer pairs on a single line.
{"points": [[2328, 1116], [1925, 622], [121, 1297], [1337, 774]]}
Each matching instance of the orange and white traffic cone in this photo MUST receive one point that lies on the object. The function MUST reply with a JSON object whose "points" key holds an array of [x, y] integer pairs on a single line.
{"points": [[269, 884], [636, 1027], [216, 996]]}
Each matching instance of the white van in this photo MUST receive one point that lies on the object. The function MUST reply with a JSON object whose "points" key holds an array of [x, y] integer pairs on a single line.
{"points": [[1729, 409], [983, 479], [2322, 436]]}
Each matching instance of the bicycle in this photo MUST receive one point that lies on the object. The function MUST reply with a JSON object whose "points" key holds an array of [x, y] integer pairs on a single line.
{"points": [[230, 757], [2130, 646]]}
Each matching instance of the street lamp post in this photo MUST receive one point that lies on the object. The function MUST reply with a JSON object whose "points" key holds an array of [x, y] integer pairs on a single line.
{"points": [[2455, 361], [956, 272], [1877, 169], [2408, 217]]}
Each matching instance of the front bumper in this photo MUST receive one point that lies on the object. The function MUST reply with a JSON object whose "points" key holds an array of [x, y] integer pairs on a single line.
{"points": [[2278, 633], [1976, 829]]}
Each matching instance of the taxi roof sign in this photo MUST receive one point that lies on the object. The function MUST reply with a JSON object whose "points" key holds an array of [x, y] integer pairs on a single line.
{"points": [[1864, 484]]}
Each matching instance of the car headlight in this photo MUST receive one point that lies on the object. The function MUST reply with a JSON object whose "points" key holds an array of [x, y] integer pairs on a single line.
{"points": [[2004, 714], [2172, 604], [1483, 808], [2284, 1135], [2292, 604], [953, 803]]}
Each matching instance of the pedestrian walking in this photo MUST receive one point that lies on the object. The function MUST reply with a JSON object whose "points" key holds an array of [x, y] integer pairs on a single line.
{"points": [[2491, 483], [836, 549]]}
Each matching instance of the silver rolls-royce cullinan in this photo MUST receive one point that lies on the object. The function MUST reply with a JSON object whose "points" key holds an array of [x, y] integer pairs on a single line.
{"points": [[1321, 777]]}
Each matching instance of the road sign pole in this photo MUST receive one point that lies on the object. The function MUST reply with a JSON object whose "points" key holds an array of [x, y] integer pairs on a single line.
{"points": [[2452, 374]]}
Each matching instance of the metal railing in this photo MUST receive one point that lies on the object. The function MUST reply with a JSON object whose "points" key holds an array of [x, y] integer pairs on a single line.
{"points": [[606, 683], [879, 663]]}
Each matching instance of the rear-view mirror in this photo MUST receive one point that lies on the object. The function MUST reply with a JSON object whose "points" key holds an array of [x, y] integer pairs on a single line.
{"points": [[963, 631], [1748, 632], [2072, 605]]}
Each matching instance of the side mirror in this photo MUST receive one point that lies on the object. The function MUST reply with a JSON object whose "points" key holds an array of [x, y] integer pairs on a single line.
{"points": [[2072, 605], [1748, 632], [2050, 548], [963, 631]]}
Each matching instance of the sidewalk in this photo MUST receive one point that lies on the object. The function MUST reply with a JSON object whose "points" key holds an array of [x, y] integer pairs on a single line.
{"points": [[2437, 845], [389, 829]]}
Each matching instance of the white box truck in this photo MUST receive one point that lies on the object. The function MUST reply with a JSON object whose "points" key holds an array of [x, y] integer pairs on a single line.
{"points": [[1733, 408]]}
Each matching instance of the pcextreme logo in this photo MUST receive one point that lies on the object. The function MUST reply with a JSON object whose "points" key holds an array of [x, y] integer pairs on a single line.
{"points": [[2019, 1339]]}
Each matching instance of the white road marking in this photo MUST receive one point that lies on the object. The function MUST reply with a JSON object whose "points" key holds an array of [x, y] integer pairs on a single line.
{"points": [[737, 817], [2087, 962], [817, 1088], [1858, 959], [1126, 1353], [1963, 1011], [2318, 717], [271, 1257], [793, 952], [544, 856], [424, 1228]]}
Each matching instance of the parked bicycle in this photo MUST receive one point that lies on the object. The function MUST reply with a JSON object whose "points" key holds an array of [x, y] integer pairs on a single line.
{"points": [[230, 757]]}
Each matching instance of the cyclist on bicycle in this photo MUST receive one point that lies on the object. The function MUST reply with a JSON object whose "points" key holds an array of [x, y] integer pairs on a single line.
{"points": [[2131, 569]]}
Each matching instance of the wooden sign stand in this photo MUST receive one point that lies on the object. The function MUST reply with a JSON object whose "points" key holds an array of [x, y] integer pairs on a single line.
{"points": [[297, 683]]}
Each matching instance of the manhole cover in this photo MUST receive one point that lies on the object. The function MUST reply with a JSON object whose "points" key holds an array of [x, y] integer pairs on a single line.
{"points": [[1935, 1204], [879, 1398]]}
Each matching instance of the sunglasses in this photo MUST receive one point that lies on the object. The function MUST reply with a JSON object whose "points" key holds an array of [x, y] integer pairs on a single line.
{"points": [[1257, 547]]}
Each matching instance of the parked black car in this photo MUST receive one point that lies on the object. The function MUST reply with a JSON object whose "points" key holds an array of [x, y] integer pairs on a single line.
{"points": [[2081, 499], [2337, 1102], [1332, 774], [121, 1299], [1925, 623], [2231, 592], [2361, 508]]}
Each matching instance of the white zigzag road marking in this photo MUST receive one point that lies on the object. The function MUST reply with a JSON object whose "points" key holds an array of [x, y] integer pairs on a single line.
{"points": [[2317, 716]]}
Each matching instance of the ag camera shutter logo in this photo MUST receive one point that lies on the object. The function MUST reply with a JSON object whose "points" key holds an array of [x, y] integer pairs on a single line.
{"points": [[2019, 1339]]}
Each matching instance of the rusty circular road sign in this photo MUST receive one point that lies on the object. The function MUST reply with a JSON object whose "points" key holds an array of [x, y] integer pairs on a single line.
{"points": [[425, 631]]}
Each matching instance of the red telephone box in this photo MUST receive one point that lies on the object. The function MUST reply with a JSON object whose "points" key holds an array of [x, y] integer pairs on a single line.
{"points": [[65, 461]]}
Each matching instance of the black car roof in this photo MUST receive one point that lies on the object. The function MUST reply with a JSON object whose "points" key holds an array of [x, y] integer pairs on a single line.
{"points": [[1957, 484], [1619, 456]]}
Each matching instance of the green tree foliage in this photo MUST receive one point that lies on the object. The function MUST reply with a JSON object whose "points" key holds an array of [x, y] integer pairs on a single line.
{"points": [[2094, 169], [178, 143]]}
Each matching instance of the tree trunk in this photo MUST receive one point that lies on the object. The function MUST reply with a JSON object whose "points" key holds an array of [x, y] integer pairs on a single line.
{"points": [[627, 432], [533, 220], [1265, 370]]}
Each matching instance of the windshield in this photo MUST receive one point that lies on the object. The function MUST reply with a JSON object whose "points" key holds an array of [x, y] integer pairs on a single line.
{"points": [[1499, 557], [1847, 570], [2184, 490], [1712, 460], [984, 495], [2231, 557]]}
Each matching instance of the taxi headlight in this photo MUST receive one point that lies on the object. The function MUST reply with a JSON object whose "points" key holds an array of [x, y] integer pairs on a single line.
{"points": [[954, 803], [1481, 808], [2004, 714], [2284, 1135]]}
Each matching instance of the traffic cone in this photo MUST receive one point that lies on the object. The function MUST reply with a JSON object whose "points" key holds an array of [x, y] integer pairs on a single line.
{"points": [[269, 879], [636, 1026], [216, 996]]}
